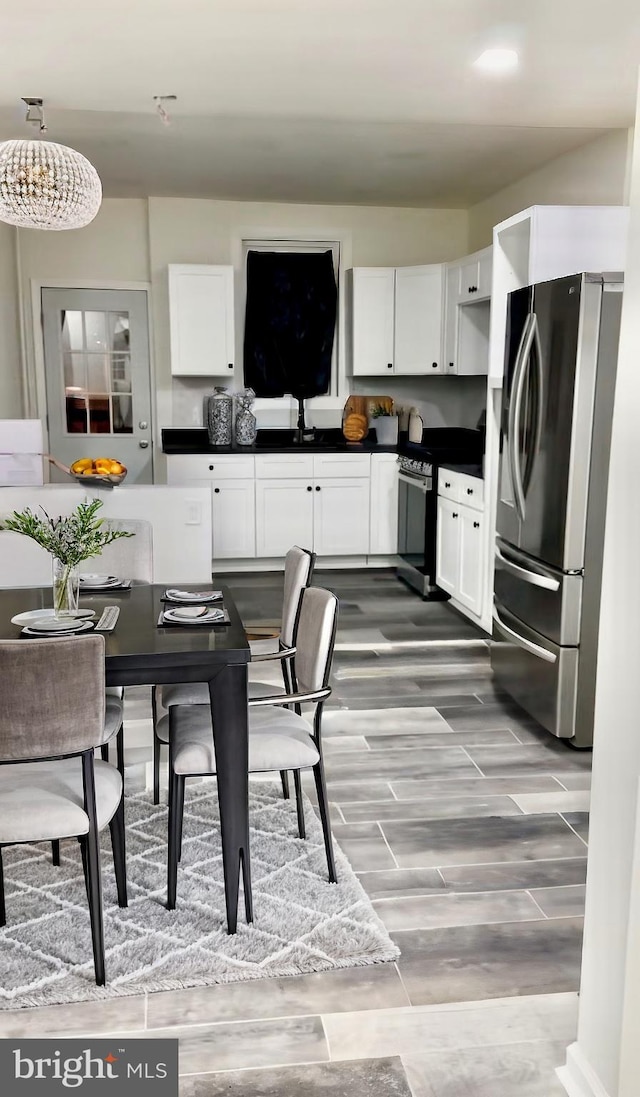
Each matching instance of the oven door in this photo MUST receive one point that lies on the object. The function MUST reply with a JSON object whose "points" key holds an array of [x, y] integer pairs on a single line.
{"points": [[413, 494]]}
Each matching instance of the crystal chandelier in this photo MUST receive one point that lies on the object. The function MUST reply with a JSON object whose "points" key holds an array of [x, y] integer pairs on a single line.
{"points": [[44, 185]]}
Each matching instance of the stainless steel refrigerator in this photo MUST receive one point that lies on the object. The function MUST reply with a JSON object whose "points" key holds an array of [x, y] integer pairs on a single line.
{"points": [[557, 401]]}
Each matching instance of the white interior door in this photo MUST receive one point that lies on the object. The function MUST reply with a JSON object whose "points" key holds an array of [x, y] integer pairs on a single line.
{"points": [[96, 357]]}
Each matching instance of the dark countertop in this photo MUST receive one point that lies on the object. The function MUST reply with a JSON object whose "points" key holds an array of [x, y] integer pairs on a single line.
{"points": [[468, 470], [196, 440]]}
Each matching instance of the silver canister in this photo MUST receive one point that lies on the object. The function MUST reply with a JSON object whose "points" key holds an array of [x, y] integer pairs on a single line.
{"points": [[220, 418]]}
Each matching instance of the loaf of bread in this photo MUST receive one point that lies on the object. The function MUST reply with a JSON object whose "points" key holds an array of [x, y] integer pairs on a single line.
{"points": [[355, 427]]}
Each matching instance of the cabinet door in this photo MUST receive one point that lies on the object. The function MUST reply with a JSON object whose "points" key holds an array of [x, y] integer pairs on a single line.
{"points": [[372, 305], [284, 516], [418, 320], [233, 519], [469, 591], [450, 341], [341, 517], [384, 504], [469, 277], [485, 272], [201, 320], [448, 546]]}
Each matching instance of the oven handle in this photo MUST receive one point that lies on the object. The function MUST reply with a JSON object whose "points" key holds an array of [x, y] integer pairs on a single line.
{"points": [[419, 484], [521, 641]]}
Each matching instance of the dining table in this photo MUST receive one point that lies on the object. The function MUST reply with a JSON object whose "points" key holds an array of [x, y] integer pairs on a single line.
{"points": [[141, 652]]}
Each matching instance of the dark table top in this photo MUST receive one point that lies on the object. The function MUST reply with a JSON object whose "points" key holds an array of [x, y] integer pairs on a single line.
{"points": [[137, 651]]}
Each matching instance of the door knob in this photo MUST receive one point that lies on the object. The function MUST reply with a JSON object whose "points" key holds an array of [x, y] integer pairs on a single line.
{"points": [[143, 424], [143, 444]]}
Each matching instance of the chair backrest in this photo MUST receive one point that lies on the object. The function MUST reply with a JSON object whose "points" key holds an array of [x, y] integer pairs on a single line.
{"points": [[315, 639], [298, 569], [51, 697], [128, 557]]}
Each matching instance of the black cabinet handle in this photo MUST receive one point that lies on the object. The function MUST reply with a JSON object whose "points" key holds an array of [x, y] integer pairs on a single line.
{"points": [[450, 365], [230, 365], [447, 484], [469, 491], [217, 491], [309, 488], [434, 365], [455, 514], [317, 488], [389, 365], [476, 525], [210, 468]]}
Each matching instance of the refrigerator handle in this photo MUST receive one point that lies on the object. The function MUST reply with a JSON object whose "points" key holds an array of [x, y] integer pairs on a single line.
{"points": [[521, 371], [533, 649], [532, 577]]}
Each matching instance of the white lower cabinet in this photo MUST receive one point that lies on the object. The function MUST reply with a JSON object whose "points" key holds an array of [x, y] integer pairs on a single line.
{"points": [[470, 580], [284, 516], [384, 505], [460, 554], [233, 519], [448, 545], [341, 517]]}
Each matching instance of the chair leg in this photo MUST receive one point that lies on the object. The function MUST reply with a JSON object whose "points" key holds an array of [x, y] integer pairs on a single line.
{"points": [[156, 747], [323, 804], [104, 752], [175, 827], [55, 852], [117, 830], [284, 777], [3, 912], [299, 803], [180, 808], [91, 843]]}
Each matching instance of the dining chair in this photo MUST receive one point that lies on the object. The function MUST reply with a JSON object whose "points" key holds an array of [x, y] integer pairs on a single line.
{"points": [[128, 557], [298, 571], [52, 720], [280, 738]]}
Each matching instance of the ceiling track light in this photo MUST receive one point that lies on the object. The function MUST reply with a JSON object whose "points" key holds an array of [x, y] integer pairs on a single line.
{"points": [[44, 185]]}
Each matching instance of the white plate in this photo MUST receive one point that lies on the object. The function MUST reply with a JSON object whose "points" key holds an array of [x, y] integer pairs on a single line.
{"points": [[214, 617], [57, 624], [38, 614], [190, 613], [80, 626], [194, 595], [90, 580]]}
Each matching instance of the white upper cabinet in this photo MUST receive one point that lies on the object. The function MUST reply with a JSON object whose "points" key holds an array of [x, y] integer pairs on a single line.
{"points": [[467, 314], [371, 293], [474, 276], [395, 316], [418, 320], [201, 320]]}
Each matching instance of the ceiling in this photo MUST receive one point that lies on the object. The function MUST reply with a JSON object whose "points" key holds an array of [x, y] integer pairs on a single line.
{"points": [[339, 101]]}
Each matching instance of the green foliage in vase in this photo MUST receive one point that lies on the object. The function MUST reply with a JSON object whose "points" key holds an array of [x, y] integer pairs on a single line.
{"points": [[379, 411], [70, 539]]}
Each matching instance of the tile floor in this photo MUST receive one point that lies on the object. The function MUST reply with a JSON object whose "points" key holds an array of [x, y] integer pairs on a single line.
{"points": [[467, 825]]}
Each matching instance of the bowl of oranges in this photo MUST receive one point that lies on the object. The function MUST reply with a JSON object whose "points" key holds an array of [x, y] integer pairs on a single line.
{"points": [[104, 470]]}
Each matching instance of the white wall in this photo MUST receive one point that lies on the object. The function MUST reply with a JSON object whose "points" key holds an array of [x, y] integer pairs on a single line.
{"points": [[594, 174], [204, 231], [441, 401], [593, 1062], [10, 365]]}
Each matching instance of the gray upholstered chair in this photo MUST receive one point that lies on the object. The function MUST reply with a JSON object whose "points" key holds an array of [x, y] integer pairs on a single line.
{"points": [[52, 719], [280, 738], [128, 557], [298, 571]]}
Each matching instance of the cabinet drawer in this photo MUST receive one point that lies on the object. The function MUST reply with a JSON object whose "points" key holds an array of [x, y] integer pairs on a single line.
{"points": [[290, 466], [183, 467], [341, 464], [471, 491], [461, 488]]}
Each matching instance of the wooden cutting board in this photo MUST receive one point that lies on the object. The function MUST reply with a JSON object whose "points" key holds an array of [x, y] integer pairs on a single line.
{"points": [[361, 405]]}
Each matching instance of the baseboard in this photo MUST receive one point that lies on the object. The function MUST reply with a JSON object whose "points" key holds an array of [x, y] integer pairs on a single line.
{"points": [[333, 563], [578, 1077]]}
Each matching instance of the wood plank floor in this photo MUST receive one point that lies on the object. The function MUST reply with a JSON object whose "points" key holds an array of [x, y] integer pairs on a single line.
{"points": [[467, 824]]}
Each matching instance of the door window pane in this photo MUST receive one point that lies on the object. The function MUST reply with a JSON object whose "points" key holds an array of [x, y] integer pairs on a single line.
{"points": [[95, 331], [72, 333], [118, 324], [99, 414], [120, 373], [76, 413], [75, 372], [122, 415], [97, 379]]}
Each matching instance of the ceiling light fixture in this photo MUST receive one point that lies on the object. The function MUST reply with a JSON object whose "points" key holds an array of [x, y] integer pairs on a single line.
{"points": [[497, 61], [44, 185], [159, 101]]}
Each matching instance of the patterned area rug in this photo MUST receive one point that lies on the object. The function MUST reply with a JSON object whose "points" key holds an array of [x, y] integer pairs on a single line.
{"points": [[302, 923]]}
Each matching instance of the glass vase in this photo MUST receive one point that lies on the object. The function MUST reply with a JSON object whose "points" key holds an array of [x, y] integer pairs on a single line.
{"points": [[66, 584]]}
